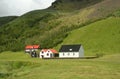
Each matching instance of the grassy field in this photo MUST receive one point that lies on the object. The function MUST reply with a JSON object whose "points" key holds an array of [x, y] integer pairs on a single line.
{"points": [[18, 65]]}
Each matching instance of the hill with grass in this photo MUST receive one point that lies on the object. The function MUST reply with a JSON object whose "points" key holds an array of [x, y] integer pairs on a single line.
{"points": [[101, 37], [70, 5], [5, 20], [51, 26]]}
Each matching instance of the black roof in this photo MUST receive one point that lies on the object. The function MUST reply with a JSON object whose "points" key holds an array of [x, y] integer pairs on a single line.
{"points": [[70, 48]]}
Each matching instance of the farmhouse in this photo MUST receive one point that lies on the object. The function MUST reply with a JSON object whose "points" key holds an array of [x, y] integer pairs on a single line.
{"points": [[48, 53], [31, 48], [71, 51]]}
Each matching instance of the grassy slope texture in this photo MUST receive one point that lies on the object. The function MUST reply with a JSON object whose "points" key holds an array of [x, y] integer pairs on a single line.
{"points": [[49, 27], [99, 37], [5, 20], [19, 65], [72, 4]]}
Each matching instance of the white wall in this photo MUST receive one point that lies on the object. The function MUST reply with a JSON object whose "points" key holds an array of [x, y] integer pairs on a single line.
{"points": [[69, 55], [45, 54], [81, 54]]}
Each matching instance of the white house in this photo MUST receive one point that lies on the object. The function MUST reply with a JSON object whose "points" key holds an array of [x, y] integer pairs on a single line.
{"points": [[48, 53], [71, 51]]}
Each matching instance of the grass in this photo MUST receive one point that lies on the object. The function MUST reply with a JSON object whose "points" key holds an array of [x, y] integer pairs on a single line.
{"points": [[24, 67], [5, 20], [101, 37]]}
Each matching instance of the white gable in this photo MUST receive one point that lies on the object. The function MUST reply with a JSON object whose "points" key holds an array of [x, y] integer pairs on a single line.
{"points": [[46, 54]]}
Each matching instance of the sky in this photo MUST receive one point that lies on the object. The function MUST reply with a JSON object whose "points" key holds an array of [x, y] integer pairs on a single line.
{"points": [[19, 7]]}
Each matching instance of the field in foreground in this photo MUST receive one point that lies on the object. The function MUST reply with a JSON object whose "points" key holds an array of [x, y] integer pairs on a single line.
{"points": [[18, 65]]}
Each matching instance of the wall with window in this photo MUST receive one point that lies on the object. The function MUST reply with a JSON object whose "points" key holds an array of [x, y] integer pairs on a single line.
{"points": [[47, 54], [68, 54]]}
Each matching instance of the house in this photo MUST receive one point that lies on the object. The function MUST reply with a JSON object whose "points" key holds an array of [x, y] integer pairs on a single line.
{"points": [[71, 51], [48, 53], [31, 48]]}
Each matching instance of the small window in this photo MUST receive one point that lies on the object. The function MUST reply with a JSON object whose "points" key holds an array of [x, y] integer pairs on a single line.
{"points": [[63, 54], [70, 49], [47, 54], [73, 53], [42, 52], [68, 54]]}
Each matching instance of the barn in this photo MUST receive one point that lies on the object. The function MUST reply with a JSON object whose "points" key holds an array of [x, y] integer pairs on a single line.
{"points": [[48, 53], [71, 51]]}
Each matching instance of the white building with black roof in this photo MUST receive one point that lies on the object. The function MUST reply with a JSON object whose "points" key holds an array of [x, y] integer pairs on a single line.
{"points": [[71, 51]]}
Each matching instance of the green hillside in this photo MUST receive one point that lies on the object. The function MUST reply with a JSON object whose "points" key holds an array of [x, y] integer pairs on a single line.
{"points": [[70, 5], [5, 20], [51, 26], [101, 37]]}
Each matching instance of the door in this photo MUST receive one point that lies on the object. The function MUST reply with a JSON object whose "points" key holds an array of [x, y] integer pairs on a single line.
{"points": [[42, 56], [51, 55]]}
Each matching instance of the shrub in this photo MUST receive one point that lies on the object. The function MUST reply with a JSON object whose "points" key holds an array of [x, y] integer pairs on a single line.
{"points": [[99, 55], [116, 14]]}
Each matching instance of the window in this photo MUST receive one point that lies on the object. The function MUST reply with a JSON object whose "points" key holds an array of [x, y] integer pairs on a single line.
{"points": [[73, 53], [42, 52], [68, 54], [70, 49], [63, 54], [47, 54]]}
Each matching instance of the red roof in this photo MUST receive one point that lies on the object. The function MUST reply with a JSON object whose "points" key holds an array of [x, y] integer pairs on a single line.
{"points": [[52, 50], [44, 50], [32, 47], [36, 46]]}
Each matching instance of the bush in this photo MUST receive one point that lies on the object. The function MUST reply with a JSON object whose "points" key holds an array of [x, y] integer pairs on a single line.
{"points": [[116, 14], [4, 75], [99, 55]]}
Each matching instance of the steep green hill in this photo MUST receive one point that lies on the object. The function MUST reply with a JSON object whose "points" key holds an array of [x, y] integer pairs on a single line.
{"points": [[5, 20], [101, 37], [70, 5], [49, 27]]}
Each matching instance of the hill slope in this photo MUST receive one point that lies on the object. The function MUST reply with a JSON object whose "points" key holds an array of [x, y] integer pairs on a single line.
{"points": [[99, 37], [5, 20], [49, 27], [70, 5]]}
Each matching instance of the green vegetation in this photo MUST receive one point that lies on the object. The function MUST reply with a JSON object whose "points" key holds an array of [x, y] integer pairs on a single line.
{"points": [[19, 65], [70, 5], [116, 14], [5, 20], [51, 26], [101, 37]]}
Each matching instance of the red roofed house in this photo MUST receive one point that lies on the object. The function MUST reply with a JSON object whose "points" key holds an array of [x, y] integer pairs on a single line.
{"points": [[48, 53], [30, 48]]}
